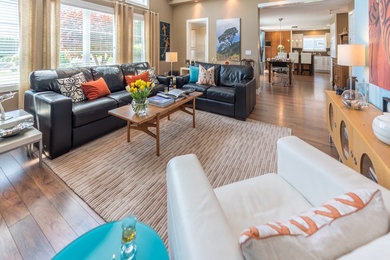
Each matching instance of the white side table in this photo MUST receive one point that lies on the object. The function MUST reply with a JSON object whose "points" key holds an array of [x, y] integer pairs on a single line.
{"points": [[27, 138]]}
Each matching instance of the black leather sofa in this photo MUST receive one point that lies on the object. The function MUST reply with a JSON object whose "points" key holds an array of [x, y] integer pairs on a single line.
{"points": [[234, 94], [66, 125]]}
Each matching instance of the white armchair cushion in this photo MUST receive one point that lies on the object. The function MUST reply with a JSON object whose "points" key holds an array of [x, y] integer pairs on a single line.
{"points": [[259, 200], [326, 232]]}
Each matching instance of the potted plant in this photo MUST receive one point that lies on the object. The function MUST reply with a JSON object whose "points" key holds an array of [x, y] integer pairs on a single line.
{"points": [[140, 91]]}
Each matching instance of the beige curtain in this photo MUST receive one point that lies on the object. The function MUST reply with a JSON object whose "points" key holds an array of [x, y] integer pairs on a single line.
{"points": [[152, 38], [39, 38], [124, 32]]}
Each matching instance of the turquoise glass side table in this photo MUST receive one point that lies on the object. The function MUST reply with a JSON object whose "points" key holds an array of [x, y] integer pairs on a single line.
{"points": [[105, 241]]}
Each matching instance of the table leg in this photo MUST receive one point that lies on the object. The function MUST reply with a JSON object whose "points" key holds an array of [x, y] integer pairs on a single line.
{"points": [[169, 117], [269, 71], [290, 74], [193, 113], [40, 153], [128, 131], [158, 135]]}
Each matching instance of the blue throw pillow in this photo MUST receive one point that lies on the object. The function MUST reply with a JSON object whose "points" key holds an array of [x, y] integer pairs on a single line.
{"points": [[194, 74]]}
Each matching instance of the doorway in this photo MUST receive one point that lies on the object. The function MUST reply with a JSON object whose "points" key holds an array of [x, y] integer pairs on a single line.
{"points": [[198, 40]]}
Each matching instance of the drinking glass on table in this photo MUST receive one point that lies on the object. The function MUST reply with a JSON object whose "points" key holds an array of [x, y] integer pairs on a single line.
{"points": [[128, 238]]}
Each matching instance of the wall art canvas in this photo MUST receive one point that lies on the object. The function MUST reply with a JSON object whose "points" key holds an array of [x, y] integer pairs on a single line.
{"points": [[165, 39], [379, 46], [229, 39]]}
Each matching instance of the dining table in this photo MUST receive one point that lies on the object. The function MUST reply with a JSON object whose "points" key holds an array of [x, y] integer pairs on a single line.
{"points": [[281, 63]]}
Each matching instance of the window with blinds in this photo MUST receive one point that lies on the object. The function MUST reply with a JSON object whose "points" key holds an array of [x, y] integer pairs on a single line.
{"points": [[138, 38], [9, 44], [86, 37], [144, 3]]}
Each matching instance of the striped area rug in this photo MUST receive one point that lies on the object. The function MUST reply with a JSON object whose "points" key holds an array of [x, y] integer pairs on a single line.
{"points": [[116, 178]]}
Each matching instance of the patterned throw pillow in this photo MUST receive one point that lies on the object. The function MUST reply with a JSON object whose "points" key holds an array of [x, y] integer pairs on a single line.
{"points": [[326, 232], [152, 75], [71, 87], [206, 76]]}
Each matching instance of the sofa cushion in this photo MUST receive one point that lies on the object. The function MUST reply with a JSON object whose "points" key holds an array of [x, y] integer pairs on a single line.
{"points": [[46, 80], [337, 227], [132, 79], [141, 65], [112, 74], [152, 74], [121, 97], [217, 70], [91, 110], [206, 76], [198, 88], [223, 94], [233, 74], [95, 89], [71, 87], [259, 200]]}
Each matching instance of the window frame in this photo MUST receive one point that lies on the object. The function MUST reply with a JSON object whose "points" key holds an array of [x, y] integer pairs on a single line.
{"points": [[14, 86], [140, 17], [133, 2], [92, 8], [314, 36]]}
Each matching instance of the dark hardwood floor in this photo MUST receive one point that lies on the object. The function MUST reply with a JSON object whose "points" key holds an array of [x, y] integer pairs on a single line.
{"points": [[39, 214]]}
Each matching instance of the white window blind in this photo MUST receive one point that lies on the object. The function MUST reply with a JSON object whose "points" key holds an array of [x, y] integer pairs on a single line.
{"points": [[138, 38], [144, 3], [9, 44], [86, 37], [314, 43]]}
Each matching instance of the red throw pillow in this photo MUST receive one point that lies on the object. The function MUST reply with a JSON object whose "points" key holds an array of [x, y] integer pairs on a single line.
{"points": [[95, 89], [143, 76]]}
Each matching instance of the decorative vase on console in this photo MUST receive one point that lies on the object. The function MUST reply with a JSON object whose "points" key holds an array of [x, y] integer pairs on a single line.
{"points": [[381, 127], [140, 91]]}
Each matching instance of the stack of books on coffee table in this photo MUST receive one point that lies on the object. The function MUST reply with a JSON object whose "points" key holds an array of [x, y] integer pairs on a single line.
{"points": [[161, 101]]}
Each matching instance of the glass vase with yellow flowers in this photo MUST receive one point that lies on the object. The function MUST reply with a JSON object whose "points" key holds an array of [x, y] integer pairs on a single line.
{"points": [[140, 91]]}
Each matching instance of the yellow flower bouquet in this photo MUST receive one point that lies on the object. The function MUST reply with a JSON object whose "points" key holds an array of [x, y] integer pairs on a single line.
{"points": [[140, 91]]}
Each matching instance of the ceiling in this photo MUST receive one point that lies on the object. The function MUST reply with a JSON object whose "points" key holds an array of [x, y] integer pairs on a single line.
{"points": [[307, 15]]}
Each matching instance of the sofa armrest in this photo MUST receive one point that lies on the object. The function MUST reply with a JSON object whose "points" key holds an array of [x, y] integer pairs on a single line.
{"points": [[197, 226], [54, 114], [181, 81], [164, 80], [316, 175], [245, 99]]}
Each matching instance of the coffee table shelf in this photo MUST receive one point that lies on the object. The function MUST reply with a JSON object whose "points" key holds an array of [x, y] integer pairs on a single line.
{"points": [[153, 116]]}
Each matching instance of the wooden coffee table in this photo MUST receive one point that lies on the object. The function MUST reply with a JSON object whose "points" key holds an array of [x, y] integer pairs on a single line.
{"points": [[153, 116]]}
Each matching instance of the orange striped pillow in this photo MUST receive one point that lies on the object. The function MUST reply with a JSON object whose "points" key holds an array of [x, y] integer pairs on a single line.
{"points": [[326, 232]]}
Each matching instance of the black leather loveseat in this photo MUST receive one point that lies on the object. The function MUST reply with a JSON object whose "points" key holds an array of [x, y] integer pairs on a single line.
{"points": [[66, 125], [234, 94]]}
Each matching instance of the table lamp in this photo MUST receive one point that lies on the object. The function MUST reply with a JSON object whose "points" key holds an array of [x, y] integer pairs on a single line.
{"points": [[351, 55], [171, 57]]}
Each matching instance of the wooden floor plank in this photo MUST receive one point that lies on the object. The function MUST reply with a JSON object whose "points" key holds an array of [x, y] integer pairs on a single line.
{"points": [[12, 207], [52, 224], [8, 249], [30, 240]]}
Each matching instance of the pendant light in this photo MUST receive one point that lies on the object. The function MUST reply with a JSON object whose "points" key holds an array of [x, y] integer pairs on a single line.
{"points": [[280, 47]]}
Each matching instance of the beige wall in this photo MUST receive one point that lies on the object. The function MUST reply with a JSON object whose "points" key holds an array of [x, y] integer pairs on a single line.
{"points": [[218, 9]]}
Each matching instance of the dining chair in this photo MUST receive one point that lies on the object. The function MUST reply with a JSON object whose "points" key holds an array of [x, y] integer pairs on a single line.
{"points": [[306, 64]]}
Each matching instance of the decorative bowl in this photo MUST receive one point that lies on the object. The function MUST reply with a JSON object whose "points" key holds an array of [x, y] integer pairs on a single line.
{"points": [[381, 127], [353, 99], [18, 129]]}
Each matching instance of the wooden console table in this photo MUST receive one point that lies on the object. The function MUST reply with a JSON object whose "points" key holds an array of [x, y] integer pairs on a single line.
{"points": [[351, 131]]}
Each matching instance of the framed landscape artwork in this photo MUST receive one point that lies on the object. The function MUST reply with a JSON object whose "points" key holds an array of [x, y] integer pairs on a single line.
{"points": [[165, 39], [229, 39], [379, 27]]}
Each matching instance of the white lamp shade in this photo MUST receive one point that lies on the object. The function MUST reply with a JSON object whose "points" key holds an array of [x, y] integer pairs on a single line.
{"points": [[351, 55], [171, 57]]}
